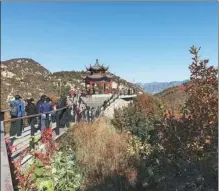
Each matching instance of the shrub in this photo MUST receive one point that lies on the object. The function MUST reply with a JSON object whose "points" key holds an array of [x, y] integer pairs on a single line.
{"points": [[183, 152], [140, 117], [102, 153], [49, 170], [190, 140], [65, 172]]}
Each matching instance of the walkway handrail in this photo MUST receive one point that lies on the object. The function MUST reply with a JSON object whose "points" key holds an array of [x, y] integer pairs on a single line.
{"points": [[6, 180], [35, 115], [4, 110]]}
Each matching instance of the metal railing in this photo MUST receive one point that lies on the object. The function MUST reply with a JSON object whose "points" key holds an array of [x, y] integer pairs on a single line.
{"points": [[56, 119], [14, 147], [30, 130]]}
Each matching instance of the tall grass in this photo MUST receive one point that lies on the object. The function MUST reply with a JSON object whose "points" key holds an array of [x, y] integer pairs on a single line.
{"points": [[102, 153]]}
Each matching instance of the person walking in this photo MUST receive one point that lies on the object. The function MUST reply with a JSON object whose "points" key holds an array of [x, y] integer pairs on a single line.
{"points": [[17, 111], [24, 104], [83, 111], [54, 101], [63, 117], [70, 103], [46, 107], [87, 114], [31, 109], [72, 93], [39, 108], [92, 113]]}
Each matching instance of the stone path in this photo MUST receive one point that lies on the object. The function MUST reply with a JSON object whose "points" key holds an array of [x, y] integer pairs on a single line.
{"points": [[119, 103], [96, 101]]}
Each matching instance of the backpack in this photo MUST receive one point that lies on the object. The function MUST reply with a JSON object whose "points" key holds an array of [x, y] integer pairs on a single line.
{"points": [[41, 109], [39, 106], [31, 109], [59, 104], [14, 109]]}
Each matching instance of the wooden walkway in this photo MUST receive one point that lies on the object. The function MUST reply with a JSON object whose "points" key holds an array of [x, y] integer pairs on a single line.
{"points": [[19, 144], [6, 181]]}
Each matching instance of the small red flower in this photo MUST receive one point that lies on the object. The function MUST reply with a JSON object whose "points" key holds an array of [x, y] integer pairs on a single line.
{"points": [[56, 145], [50, 131], [7, 141], [12, 147], [40, 156]]}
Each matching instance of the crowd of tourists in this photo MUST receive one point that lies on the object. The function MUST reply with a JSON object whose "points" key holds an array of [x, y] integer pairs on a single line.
{"points": [[75, 110], [70, 108]]}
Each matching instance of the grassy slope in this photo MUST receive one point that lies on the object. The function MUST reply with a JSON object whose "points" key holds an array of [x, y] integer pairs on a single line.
{"points": [[173, 97]]}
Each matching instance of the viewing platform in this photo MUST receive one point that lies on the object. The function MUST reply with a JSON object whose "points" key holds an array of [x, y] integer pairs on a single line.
{"points": [[100, 103]]}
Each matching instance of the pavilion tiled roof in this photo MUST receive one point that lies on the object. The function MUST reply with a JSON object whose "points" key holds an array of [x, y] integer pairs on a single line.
{"points": [[97, 66], [99, 76]]}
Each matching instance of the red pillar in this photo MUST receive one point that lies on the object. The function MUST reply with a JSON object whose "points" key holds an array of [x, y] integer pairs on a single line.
{"points": [[110, 84], [90, 87], [103, 87]]}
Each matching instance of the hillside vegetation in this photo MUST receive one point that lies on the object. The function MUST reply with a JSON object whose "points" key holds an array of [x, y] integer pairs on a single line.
{"points": [[144, 147], [165, 151], [30, 79], [173, 97]]}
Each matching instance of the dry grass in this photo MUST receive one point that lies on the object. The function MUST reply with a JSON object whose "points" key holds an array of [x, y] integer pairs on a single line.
{"points": [[102, 152]]}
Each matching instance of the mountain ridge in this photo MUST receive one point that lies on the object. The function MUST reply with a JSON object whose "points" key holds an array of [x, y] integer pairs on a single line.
{"points": [[156, 87], [28, 78]]}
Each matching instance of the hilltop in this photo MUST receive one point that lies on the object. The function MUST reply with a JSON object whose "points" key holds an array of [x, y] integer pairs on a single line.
{"points": [[29, 78]]}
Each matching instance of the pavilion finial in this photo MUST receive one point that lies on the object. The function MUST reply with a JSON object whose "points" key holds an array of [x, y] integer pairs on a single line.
{"points": [[97, 62]]}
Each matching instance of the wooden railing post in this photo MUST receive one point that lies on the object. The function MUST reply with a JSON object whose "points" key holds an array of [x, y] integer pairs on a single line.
{"points": [[2, 113], [32, 132], [47, 120], [57, 123]]}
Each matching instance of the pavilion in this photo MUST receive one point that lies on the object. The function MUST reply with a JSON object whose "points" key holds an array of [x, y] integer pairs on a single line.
{"points": [[98, 79]]}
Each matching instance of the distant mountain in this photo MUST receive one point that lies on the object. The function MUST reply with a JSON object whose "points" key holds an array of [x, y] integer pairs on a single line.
{"points": [[156, 87]]}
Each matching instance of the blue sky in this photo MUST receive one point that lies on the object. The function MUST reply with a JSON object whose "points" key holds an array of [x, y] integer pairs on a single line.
{"points": [[145, 41]]}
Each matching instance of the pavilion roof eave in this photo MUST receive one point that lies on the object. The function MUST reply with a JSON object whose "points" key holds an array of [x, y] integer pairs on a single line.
{"points": [[97, 67], [109, 76], [83, 77], [98, 77]]}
